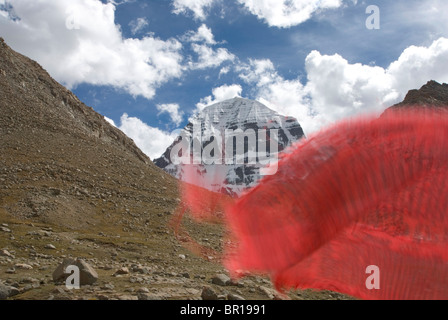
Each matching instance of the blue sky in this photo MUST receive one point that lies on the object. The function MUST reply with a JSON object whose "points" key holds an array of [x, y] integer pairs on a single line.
{"points": [[150, 65]]}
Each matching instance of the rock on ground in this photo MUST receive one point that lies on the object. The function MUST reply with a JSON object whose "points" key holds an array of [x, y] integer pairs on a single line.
{"points": [[209, 294], [221, 280], [7, 292]]}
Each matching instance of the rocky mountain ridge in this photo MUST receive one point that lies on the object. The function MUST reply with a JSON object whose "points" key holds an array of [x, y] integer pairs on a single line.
{"points": [[241, 117], [431, 95], [21, 75]]}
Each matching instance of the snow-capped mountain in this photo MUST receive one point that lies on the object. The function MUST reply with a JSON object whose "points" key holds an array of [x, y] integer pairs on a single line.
{"points": [[225, 147]]}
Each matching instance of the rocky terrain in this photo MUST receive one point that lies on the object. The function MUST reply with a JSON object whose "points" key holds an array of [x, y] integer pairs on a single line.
{"points": [[432, 95], [74, 187]]}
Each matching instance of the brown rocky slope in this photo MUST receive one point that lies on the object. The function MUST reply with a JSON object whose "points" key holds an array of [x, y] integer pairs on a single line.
{"points": [[61, 161], [432, 95]]}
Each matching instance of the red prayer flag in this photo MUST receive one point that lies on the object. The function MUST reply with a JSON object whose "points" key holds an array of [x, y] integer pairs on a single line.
{"points": [[363, 194]]}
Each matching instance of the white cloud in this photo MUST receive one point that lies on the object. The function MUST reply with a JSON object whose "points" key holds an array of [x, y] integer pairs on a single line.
{"points": [[417, 65], [197, 7], [77, 41], [288, 97], [220, 94], [276, 13], [138, 25], [337, 89], [112, 122], [340, 90], [173, 110], [259, 72], [227, 92], [224, 71], [202, 42], [209, 57], [287, 13], [204, 34], [152, 141]]}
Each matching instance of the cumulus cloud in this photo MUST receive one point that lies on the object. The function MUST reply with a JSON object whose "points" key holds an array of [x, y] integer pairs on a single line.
{"points": [[287, 13], [225, 70], [152, 141], [78, 41], [138, 25], [204, 34], [259, 72], [173, 110], [276, 13], [202, 43], [209, 57], [287, 97], [417, 65], [197, 7], [337, 89], [220, 94]]}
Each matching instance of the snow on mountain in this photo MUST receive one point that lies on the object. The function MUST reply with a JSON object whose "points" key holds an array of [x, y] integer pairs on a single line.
{"points": [[225, 147]]}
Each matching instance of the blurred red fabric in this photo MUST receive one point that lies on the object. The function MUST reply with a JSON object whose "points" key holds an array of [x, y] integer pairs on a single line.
{"points": [[365, 192]]}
